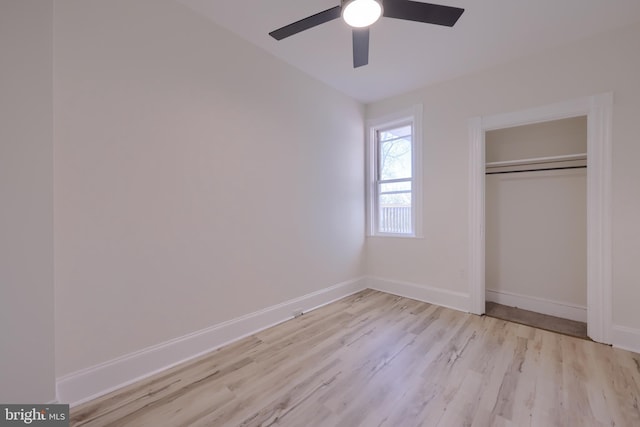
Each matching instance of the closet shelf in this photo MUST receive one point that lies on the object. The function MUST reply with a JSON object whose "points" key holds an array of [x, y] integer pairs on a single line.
{"points": [[538, 160]]}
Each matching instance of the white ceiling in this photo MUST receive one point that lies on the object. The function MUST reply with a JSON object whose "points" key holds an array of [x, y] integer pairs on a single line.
{"points": [[406, 55]]}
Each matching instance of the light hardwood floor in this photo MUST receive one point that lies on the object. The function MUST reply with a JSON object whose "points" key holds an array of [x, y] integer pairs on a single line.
{"points": [[374, 359]]}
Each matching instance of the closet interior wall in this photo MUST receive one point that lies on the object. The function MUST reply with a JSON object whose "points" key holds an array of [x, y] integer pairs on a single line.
{"points": [[536, 198]]}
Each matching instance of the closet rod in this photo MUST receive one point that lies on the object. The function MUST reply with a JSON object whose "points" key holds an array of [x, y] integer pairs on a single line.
{"points": [[537, 170]]}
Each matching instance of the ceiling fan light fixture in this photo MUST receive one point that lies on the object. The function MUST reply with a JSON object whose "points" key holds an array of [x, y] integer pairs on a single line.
{"points": [[361, 13]]}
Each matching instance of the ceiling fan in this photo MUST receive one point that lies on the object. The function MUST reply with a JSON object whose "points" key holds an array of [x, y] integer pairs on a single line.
{"points": [[360, 14]]}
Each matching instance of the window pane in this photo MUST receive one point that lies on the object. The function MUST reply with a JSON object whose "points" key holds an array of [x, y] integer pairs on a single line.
{"points": [[387, 187], [395, 133], [394, 213], [395, 158]]}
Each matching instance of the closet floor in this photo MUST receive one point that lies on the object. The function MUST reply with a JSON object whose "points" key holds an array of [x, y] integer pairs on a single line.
{"points": [[537, 320]]}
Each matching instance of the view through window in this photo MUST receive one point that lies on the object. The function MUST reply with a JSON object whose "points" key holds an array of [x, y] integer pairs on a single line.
{"points": [[394, 180]]}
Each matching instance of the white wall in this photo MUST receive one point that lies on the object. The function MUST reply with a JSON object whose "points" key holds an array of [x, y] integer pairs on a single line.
{"points": [[536, 230], [609, 62], [553, 138], [198, 179], [26, 203]]}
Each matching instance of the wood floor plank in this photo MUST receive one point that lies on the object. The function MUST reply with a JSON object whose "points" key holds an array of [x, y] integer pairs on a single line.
{"points": [[537, 320], [375, 359]]}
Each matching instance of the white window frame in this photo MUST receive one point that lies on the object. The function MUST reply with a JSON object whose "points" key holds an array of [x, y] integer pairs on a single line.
{"points": [[412, 116]]}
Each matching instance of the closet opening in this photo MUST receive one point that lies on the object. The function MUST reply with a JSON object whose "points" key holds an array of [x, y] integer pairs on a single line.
{"points": [[598, 110], [536, 224]]}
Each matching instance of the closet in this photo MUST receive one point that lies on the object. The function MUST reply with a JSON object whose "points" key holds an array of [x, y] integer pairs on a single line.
{"points": [[536, 225]]}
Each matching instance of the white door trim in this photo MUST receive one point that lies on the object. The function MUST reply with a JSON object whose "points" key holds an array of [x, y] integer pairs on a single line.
{"points": [[598, 109]]}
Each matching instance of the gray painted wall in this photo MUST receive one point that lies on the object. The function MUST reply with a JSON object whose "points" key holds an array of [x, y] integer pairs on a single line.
{"points": [[26, 203]]}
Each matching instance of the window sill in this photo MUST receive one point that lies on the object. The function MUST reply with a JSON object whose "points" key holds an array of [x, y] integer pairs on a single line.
{"points": [[397, 236]]}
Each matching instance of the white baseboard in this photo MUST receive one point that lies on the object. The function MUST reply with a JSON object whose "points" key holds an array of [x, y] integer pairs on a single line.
{"points": [[626, 338], [450, 299], [539, 305], [87, 384]]}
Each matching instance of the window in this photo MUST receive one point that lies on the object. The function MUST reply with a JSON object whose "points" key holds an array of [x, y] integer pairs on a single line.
{"points": [[394, 175]]}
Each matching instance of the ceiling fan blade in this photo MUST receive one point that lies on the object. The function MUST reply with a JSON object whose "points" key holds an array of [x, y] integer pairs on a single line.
{"points": [[360, 47], [306, 23], [422, 12]]}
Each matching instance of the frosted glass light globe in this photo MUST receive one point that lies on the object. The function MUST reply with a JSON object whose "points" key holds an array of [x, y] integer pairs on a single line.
{"points": [[361, 13]]}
